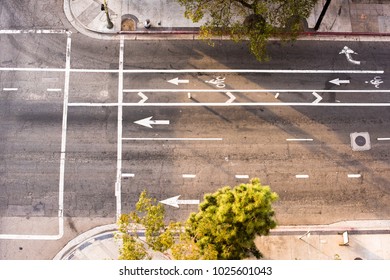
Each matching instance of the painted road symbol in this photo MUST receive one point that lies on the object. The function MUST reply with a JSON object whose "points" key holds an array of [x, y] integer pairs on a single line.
{"points": [[347, 51], [219, 82], [376, 81]]}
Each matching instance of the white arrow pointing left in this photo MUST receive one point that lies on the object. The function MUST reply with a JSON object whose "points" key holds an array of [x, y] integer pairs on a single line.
{"points": [[339, 82], [177, 81], [174, 201], [148, 122]]}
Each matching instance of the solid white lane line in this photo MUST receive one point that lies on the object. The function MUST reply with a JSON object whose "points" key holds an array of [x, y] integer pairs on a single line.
{"points": [[162, 71], [63, 137], [172, 139], [383, 139], [10, 89], [354, 175], [82, 104], [32, 69], [242, 176], [256, 90], [301, 176], [189, 176], [216, 104], [282, 71], [299, 139], [35, 237], [34, 31], [118, 186]]}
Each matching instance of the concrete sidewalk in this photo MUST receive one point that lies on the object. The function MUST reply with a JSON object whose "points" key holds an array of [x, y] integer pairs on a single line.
{"points": [[363, 17], [368, 240]]}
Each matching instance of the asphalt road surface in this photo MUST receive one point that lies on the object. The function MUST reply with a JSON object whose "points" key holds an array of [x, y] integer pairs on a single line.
{"points": [[70, 147]]}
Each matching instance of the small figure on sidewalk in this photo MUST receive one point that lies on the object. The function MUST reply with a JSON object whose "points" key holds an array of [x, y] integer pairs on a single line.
{"points": [[147, 24]]}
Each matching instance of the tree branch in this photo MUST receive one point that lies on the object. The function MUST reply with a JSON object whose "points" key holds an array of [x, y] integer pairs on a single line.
{"points": [[245, 4]]}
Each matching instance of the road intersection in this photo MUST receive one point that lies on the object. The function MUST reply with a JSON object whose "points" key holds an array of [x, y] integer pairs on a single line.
{"points": [[180, 133]]}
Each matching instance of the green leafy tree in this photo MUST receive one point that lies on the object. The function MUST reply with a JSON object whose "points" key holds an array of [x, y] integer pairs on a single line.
{"points": [[149, 216], [255, 20], [224, 228], [229, 220]]}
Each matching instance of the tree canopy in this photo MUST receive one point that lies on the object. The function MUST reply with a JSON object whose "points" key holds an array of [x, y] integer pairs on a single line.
{"points": [[255, 20], [229, 220], [149, 216], [224, 228]]}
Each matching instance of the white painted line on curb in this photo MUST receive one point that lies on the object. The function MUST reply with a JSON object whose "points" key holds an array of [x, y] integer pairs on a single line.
{"points": [[242, 176], [189, 176], [302, 176], [354, 175]]}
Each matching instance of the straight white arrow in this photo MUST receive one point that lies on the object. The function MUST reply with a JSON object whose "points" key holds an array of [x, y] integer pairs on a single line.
{"points": [[174, 201], [177, 81], [339, 82], [319, 98], [232, 97], [148, 122]]}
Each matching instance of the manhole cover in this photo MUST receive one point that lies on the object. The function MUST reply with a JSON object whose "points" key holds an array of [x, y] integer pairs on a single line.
{"points": [[360, 141], [128, 25]]}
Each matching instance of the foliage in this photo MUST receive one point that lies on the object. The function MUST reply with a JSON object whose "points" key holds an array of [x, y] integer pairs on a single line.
{"points": [[149, 214], [229, 220], [224, 227], [255, 20]]}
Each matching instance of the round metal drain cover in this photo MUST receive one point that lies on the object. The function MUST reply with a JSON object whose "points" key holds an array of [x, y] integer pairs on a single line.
{"points": [[360, 141]]}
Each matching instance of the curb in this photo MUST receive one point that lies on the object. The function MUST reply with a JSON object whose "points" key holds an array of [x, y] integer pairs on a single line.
{"points": [[77, 242], [154, 35]]}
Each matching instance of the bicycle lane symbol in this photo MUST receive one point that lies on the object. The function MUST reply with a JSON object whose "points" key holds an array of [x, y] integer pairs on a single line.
{"points": [[376, 81], [219, 82]]}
